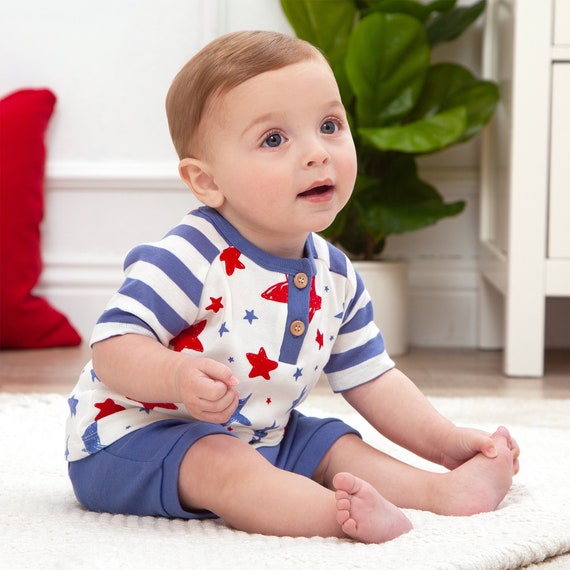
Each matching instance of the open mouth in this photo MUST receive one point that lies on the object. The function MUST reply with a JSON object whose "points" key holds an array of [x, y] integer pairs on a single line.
{"points": [[316, 191]]}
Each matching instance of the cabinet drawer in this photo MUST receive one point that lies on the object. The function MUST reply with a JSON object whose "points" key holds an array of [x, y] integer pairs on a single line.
{"points": [[562, 22]]}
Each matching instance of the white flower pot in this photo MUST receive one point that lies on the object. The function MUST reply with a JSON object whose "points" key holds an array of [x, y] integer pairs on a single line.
{"points": [[387, 284]]}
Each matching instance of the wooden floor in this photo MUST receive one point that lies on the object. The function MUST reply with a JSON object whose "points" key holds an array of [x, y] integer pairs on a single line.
{"points": [[438, 372]]}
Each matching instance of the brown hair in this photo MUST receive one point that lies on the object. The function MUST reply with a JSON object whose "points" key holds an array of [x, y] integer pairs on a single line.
{"points": [[220, 66]]}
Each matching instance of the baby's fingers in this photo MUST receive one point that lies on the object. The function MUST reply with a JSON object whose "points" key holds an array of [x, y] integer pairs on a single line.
{"points": [[218, 372], [219, 411]]}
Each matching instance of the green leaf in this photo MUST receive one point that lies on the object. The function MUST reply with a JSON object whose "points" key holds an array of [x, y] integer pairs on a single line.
{"points": [[409, 7], [450, 25], [413, 8], [399, 201], [426, 135], [450, 85], [386, 63], [326, 25], [442, 5]]}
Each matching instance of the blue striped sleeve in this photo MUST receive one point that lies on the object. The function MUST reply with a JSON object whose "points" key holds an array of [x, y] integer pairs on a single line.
{"points": [[148, 298], [197, 239], [170, 265], [355, 356]]}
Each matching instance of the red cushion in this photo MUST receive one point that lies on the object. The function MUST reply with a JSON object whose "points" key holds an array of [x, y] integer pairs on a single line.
{"points": [[26, 320]]}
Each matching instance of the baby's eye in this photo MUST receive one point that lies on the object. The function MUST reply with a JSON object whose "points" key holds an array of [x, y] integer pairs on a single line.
{"points": [[329, 127], [274, 140]]}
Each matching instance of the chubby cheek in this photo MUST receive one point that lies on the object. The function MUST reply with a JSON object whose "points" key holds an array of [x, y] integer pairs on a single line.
{"points": [[348, 173], [262, 183]]}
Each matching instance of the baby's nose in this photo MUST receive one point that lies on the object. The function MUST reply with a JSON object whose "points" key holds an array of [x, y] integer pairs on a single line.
{"points": [[317, 155]]}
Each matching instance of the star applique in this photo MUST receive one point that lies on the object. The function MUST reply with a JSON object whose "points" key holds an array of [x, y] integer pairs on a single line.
{"points": [[107, 408], [261, 365], [189, 338], [320, 339], [280, 294], [215, 305], [230, 256]]}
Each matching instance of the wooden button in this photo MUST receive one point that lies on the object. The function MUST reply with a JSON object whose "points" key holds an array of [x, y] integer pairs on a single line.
{"points": [[301, 280], [297, 328]]}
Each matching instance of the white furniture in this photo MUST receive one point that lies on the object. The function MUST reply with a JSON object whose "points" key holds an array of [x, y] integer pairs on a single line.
{"points": [[525, 193]]}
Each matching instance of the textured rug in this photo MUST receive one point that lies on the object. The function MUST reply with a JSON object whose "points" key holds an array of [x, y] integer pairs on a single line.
{"points": [[42, 526]]}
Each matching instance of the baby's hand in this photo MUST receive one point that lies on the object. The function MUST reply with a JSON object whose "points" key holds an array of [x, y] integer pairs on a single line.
{"points": [[467, 442], [207, 389]]}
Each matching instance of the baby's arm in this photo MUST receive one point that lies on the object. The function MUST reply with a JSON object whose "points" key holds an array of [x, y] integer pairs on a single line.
{"points": [[398, 410], [143, 369]]}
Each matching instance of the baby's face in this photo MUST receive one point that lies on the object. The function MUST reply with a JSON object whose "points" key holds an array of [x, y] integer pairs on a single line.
{"points": [[280, 151]]}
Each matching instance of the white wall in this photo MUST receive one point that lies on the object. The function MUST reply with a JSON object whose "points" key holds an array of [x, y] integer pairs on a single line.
{"points": [[112, 171]]}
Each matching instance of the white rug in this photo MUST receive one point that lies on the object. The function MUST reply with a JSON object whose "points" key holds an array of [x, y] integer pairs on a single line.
{"points": [[42, 526]]}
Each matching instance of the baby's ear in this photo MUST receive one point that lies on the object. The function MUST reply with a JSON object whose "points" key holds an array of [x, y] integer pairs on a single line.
{"points": [[198, 178]]}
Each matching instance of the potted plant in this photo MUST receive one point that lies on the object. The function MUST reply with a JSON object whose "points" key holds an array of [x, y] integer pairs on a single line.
{"points": [[399, 104]]}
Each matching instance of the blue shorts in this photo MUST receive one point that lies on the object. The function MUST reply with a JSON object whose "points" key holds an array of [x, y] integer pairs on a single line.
{"points": [[138, 474]]}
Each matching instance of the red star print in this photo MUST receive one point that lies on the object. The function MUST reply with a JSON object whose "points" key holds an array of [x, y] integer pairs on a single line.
{"points": [[280, 294], [230, 256], [260, 364], [320, 339], [189, 338], [315, 301], [215, 305], [268, 401], [151, 405], [108, 408]]}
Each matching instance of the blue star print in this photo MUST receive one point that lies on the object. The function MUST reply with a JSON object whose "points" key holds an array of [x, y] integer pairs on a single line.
{"points": [[259, 434], [237, 416], [91, 439], [250, 316], [223, 329], [72, 402], [298, 374]]}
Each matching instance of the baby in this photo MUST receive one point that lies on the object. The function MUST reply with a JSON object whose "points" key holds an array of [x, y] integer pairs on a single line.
{"points": [[221, 329]]}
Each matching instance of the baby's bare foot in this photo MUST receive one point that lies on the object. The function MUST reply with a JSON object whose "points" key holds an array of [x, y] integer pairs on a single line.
{"points": [[481, 483], [364, 514]]}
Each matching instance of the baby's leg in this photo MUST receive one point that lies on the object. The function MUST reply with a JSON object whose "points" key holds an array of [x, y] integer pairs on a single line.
{"points": [[478, 485], [364, 514], [228, 477]]}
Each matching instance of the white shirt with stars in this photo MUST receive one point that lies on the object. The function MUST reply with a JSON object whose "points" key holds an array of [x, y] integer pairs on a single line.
{"points": [[277, 323]]}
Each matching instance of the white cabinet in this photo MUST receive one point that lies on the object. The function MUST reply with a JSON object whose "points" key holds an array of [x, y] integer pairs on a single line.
{"points": [[525, 178]]}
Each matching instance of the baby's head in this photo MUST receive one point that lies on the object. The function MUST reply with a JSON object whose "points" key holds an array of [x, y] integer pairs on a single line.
{"points": [[222, 65]]}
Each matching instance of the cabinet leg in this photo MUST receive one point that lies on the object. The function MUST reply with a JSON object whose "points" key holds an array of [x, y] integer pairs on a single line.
{"points": [[491, 311]]}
